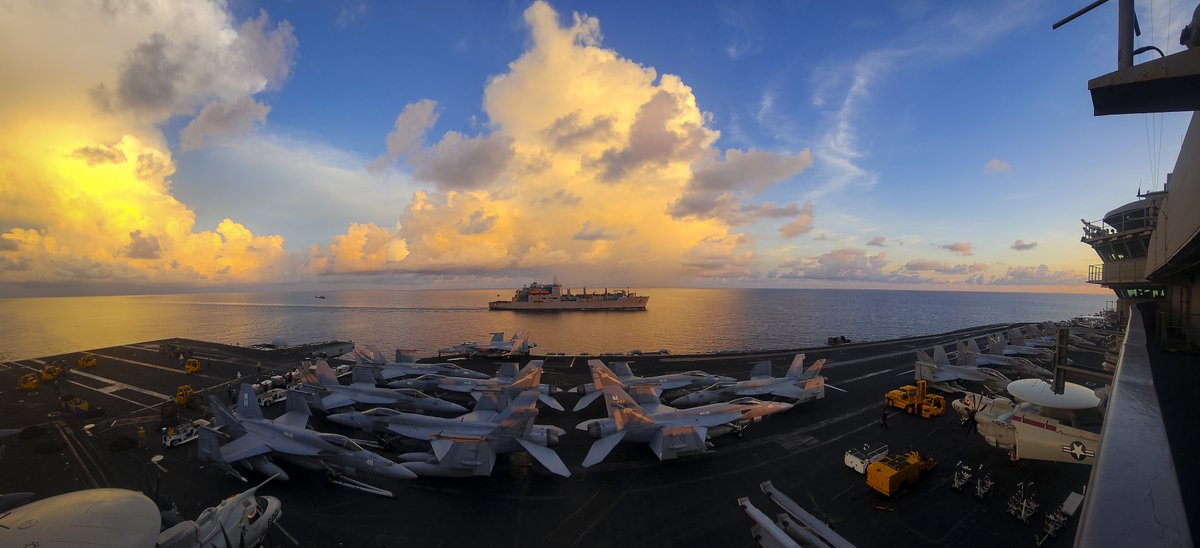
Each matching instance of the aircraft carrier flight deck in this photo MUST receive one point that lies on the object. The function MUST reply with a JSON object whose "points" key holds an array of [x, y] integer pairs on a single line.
{"points": [[629, 499]]}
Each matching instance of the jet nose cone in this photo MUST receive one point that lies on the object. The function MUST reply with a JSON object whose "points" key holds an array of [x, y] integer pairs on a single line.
{"points": [[343, 419], [398, 471], [451, 407], [784, 406]]}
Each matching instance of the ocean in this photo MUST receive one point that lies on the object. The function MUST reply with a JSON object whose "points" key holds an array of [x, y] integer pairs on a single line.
{"points": [[681, 320]]}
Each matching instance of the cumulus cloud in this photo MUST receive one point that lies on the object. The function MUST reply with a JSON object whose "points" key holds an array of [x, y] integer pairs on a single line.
{"points": [[1020, 245], [878, 241], [1032, 275], [364, 248], [961, 248], [919, 265], [802, 224], [846, 264], [588, 234], [89, 199], [996, 166], [714, 187], [221, 120], [589, 163]]}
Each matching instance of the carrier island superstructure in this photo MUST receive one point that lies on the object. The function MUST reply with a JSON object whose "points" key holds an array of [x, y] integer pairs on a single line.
{"points": [[538, 296]]}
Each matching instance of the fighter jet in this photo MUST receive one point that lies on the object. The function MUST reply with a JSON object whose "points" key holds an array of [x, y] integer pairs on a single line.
{"points": [[944, 375], [325, 393], [406, 365], [462, 446], [797, 384], [670, 432], [1039, 427], [509, 381], [998, 345], [119, 517], [518, 345], [287, 438], [970, 356], [661, 383]]}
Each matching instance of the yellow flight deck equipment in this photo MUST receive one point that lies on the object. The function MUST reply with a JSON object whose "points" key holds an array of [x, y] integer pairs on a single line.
{"points": [[74, 405], [890, 475], [186, 397], [191, 366], [51, 372], [87, 360], [28, 381], [915, 400]]}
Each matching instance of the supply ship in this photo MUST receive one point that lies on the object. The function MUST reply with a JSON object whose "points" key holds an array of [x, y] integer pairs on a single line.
{"points": [[537, 296]]}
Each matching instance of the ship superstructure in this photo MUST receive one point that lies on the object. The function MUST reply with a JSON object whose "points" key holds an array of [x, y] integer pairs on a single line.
{"points": [[1122, 240], [539, 296]]}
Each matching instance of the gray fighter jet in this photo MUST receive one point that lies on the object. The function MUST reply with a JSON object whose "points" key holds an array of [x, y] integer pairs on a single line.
{"points": [[945, 376], [253, 438], [468, 445], [660, 383], [999, 346], [970, 356], [798, 385], [670, 432], [518, 345], [406, 365], [325, 393], [509, 381]]}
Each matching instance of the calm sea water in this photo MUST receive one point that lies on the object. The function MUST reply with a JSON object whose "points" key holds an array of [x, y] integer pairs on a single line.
{"points": [[682, 320]]}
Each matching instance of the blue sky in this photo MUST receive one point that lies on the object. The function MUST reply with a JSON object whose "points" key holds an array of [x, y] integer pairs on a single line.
{"points": [[892, 145]]}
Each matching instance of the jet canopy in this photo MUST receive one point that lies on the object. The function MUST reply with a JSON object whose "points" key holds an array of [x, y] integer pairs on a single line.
{"points": [[339, 440]]}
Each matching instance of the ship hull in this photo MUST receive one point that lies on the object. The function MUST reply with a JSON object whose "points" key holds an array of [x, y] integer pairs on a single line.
{"points": [[636, 303]]}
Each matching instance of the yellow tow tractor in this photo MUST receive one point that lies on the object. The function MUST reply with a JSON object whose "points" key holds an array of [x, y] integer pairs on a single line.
{"points": [[186, 397], [192, 365], [87, 360], [915, 401], [74, 405], [28, 381], [890, 475], [51, 372]]}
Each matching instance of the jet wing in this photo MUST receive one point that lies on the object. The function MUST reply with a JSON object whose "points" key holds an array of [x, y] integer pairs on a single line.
{"points": [[374, 399], [670, 442], [761, 371], [546, 456], [336, 400], [244, 447], [461, 453]]}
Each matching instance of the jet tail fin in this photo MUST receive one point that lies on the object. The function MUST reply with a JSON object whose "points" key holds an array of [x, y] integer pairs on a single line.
{"points": [[814, 371], [405, 356], [247, 405], [965, 356], [223, 419], [524, 401], [361, 374], [325, 374], [530, 376], [939, 355], [761, 370], [208, 448], [498, 336], [797, 367], [508, 370], [621, 370], [644, 395]]}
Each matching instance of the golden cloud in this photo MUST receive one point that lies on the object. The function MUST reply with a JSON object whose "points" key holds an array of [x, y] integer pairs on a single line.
{"points": [[593, 164], [87, 184]]}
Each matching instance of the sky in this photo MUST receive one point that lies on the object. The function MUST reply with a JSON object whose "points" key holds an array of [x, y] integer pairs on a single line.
{"points": [[164, 146]]}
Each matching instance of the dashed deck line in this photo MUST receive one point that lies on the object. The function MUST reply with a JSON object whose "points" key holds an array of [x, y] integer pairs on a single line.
{"points": [[106, 390], [159, 367]]}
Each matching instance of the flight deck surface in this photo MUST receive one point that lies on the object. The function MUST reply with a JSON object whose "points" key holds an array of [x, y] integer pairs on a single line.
{"points": [[630, 499]]}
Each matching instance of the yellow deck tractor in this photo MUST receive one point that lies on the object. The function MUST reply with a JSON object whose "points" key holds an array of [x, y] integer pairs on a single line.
{"points": [[192, 365], [74, 405], [87, 360], [28, 381], [51, 372], [186, 397], [915, 400], [890, 475]]}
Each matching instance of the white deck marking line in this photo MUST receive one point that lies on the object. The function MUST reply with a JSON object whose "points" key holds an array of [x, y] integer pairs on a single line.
{"points": [[107, 390], [152, 366], [120, 385], [905, 372], [827, 385], [868, 375]]}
